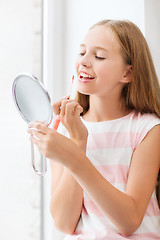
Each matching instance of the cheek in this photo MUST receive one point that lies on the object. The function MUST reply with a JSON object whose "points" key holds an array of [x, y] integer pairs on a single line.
{"points": [[103, 71], [111, 72]]}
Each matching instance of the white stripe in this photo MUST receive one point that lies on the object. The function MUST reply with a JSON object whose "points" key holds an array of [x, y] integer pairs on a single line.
{"points": [[98, 127], [149, 224], [91, 222], [109, 156]]}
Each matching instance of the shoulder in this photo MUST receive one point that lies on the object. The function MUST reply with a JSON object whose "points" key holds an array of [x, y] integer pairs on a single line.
{"points": [[142, 124], [145, 119]]}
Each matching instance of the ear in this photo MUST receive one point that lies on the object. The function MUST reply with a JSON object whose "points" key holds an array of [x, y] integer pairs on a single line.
{"points": [[128, 76]]}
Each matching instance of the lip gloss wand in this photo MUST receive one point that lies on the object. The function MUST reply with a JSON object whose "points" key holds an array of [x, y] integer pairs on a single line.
{"points": [[57, 120]]}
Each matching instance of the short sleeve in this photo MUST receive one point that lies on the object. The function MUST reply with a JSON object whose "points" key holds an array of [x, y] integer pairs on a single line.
{"points": [[144, 124]]}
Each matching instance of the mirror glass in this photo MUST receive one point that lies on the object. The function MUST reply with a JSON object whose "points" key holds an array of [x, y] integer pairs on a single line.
{"points": [[31, 99]]}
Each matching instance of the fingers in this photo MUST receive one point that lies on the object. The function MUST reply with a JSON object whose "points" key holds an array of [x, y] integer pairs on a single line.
{"points": [[35, 141], [63, 105], [60, 107], [67, 108], [44, 138], [36, 133], [78, 111], [70, 108], [38, 127], [57, 105]]}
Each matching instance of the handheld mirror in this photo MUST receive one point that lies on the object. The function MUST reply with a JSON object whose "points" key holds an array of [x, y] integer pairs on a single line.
{"points": [[33, 104]]}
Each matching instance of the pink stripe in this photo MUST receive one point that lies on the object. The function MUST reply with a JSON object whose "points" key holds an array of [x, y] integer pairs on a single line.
{"points": [[114, 173], [144, 236], [108, 234], [153, 209], [109, 140], [115, 140], [92, 208]]}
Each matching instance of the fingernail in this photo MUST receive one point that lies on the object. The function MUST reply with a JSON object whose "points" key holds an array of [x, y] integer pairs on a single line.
{"points": [[66, 97]]}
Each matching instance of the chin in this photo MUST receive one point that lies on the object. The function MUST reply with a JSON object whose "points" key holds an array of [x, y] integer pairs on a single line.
{"points": [[85, 90]]}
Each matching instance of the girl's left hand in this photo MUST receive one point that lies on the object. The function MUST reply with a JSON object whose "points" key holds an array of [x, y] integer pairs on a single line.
{"points": [[50, 143]]}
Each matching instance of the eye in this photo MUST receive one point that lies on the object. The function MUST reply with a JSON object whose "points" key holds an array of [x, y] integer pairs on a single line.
{"points": [[100, 58], [81, 54]]}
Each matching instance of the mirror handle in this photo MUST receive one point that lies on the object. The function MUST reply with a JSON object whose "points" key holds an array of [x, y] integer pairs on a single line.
{"points": [[44, 163]]}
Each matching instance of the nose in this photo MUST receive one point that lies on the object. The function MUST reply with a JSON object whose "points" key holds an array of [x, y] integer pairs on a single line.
{"points": [[85, 60]]}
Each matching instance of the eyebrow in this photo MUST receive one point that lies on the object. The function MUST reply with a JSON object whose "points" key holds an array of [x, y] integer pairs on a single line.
{"points": [[96, 47]]}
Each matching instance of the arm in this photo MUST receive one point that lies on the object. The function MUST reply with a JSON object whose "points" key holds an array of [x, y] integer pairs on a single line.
{"points": [[66, 201], [66, 193]]}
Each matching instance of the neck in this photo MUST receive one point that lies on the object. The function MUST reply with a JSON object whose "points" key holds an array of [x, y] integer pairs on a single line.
{"points": [[105, 109]]}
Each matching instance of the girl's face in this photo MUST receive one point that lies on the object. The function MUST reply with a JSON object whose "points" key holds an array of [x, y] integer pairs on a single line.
{"points": [[100, 67]]}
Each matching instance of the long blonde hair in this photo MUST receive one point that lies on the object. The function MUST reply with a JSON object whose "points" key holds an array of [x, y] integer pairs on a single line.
{"points": [[143, 92]]}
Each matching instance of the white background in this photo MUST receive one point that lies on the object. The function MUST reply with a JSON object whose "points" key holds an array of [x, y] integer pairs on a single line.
{"points": [[20, 51], [65, 23]]}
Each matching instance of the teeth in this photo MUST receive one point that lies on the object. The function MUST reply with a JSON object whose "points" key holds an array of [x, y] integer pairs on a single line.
{"points": [[85, 75]]}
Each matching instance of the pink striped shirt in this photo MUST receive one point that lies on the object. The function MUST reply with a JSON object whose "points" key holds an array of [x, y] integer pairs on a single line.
{"points": [[110, 146]]}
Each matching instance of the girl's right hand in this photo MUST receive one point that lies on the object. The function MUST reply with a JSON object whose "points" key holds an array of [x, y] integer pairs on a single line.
{"points": [[69, 111]]}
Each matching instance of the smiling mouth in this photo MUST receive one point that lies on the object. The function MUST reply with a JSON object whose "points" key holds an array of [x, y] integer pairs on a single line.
{"points": [[83, 77]]}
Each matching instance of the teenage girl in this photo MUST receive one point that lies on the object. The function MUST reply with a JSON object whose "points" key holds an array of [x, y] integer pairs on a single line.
{"points": [[105, 157]]}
